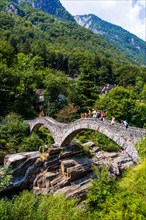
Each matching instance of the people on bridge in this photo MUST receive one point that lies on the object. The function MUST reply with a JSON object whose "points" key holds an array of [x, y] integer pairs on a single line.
{"points": [[98, 115], [94, 113], [113, 120], [84, 115], [125, 124], [103, 115], [41, 114], [89, 113]]}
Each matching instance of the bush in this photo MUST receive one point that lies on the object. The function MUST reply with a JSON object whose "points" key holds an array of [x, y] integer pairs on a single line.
{"points": [[28, 206], [58, 208], [102, 187], [31, 143], [141, 147], [12, 131]]}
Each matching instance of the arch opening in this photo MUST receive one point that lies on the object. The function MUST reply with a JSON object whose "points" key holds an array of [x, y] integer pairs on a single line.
{"points": [[90, 135], [44, 134], [36, 127]]}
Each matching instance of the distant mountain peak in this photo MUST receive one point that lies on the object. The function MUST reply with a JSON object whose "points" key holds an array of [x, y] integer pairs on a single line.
{"points": [[53, 7], [129, 44]]}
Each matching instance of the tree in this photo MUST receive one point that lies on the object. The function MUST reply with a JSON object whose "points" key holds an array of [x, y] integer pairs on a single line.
{"points": [[28, 74], [67, 113], [31, 143], [126, 75], [56, 84], [102, 187], [118, 102], [7, 53], [86, 86], [9, 82], [12, 131], [139, 85], [139, 115]]}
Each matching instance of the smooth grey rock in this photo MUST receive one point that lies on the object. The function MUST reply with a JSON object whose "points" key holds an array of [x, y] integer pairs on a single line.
{"points": [[14, 160], [95, 149], [88, 144]]}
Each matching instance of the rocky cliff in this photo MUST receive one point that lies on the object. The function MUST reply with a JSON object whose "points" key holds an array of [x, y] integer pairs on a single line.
{"points": [[62, 170]]}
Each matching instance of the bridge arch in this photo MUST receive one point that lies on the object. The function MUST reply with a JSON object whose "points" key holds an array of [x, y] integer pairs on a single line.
{"points": [[36, 127], [70, 136], [104, 128], [36, 123]]}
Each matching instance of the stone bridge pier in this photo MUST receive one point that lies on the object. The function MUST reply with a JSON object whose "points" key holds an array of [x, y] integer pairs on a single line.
{"points": [[63, 134]]}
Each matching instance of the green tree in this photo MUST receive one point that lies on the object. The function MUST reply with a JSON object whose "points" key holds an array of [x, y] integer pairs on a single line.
{"points": [[31, 143], [143, 94], [139, 85], [102, 188], [87, 87], [126, 75], [7, 53], [138, 117], [56, 84], [12, 131], [118, 102]]}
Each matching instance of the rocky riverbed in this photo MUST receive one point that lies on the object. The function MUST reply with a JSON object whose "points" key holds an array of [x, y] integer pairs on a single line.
{"points": [[66, 170]]}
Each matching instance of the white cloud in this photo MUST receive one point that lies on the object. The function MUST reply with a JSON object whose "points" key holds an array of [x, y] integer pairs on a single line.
{"points": [[122, 13]]}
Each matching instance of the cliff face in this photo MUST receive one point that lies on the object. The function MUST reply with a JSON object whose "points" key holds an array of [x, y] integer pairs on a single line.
{"points": [[53, 7], [65, 170]]}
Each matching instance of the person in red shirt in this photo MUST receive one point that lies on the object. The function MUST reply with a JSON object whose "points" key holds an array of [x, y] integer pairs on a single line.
{"points": [[103, 115]]}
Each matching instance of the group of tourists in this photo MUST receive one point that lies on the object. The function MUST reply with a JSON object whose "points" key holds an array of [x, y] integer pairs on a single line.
{"points": [[101, 116], [94, 114]]}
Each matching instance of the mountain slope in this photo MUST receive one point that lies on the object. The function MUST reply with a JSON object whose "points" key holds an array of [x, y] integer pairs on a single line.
{"points": [[133, 47], [60, 35], [40, 51], [53, 7]]}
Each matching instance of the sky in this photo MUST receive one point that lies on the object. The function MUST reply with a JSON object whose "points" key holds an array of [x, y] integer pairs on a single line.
{"points": [[129, 14]]}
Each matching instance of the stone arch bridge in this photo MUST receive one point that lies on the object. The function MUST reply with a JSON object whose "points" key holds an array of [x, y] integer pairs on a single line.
{"points": [[64, 133]]}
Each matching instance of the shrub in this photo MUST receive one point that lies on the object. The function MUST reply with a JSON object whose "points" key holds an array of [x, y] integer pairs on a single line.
{"points": [[12, 131], [28, 206], [102, 187]]}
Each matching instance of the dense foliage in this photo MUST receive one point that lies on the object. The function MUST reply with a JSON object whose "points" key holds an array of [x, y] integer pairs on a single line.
{"points": [[15, 136], [12, 132], [41, 52], [125, 105], [29, 206]]}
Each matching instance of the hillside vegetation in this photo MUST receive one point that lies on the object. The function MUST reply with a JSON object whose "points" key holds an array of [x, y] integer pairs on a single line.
{"points": [[133, 47], [53, 7]]}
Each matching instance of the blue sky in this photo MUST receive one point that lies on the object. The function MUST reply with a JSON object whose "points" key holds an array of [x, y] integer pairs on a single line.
{"points": [[129, 14]]}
